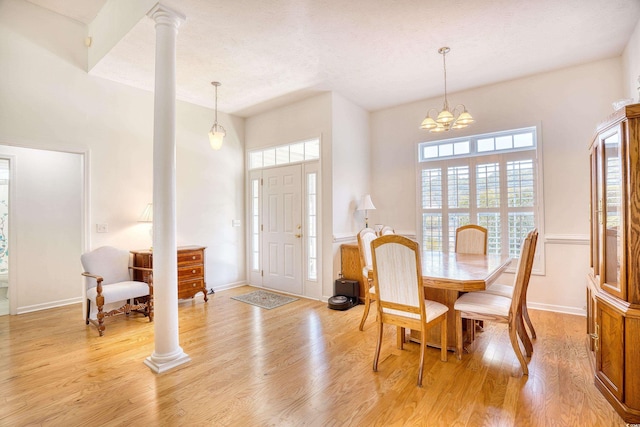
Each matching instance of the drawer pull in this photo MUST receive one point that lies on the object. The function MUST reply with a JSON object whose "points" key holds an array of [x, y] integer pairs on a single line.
{"points": [[194, 285], [193, 271], [193, 257]]}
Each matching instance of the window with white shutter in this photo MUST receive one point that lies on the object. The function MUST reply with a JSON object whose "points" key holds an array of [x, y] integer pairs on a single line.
{"points": [[492, 180]]}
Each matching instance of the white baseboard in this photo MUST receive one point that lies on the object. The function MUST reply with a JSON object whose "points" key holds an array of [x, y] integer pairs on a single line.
{"points": [[228, 286], [48, 305], [557, 308]]}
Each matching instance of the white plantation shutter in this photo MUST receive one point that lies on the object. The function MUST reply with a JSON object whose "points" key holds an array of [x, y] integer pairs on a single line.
{"points": [[490, 180]]}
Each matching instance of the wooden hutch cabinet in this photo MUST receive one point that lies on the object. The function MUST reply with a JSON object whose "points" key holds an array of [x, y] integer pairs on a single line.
{"points": [[613, 285], [191, 276]]}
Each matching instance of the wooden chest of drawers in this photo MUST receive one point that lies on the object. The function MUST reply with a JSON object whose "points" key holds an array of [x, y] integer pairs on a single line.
{"points": [[191, 270]]}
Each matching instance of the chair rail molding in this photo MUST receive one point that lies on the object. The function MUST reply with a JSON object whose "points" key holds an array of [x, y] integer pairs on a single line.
{"points": [[566, 239], [351, 237]]}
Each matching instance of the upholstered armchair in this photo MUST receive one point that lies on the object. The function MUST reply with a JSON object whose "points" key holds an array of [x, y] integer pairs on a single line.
{"points": [[109, 284]]}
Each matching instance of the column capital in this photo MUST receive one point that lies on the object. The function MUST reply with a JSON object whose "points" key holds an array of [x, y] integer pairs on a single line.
{"points": [[163, 14]]}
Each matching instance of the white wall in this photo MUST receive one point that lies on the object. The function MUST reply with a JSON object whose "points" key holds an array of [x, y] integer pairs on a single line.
{"points": [[351, 158], [566, 104], [48, 101], [351, 161], [631, 66]]}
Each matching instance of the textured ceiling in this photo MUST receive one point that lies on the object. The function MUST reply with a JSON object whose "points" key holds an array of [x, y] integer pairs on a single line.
{"points": [[377, 53]]}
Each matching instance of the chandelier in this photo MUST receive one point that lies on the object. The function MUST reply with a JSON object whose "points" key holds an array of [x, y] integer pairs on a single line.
{"points": [[446, 119], [217, 132]]}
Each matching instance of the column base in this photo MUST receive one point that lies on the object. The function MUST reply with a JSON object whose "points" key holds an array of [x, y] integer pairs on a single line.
{"points": [[160, 364]]}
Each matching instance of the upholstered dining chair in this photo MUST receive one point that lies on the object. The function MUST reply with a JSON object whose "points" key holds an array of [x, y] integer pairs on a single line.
{"points": [[471, 239], [507, 290], [397, 277], [109, 285], [386, 230], [495, 308], [365, 237]]}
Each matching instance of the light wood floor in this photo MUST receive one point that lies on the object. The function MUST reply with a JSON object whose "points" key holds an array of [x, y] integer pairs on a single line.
{"points": [[300, 364]]}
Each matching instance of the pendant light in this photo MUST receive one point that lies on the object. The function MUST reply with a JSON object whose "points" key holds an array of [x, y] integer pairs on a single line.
{"points": [[217, 132], [457, 119]]}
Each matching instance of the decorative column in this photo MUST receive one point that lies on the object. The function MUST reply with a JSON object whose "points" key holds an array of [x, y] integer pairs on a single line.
{"points": [[167, 353]]}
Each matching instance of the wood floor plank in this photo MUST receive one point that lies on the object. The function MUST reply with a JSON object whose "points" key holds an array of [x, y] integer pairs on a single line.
{"points": [[299, 364]]}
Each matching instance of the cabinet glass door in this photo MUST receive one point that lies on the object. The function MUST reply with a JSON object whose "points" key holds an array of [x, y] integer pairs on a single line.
{"points": [[612, 213], [596, 208]]}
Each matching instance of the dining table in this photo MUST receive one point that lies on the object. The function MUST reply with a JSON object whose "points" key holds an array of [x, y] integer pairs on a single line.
{"points": [[446, 275]]}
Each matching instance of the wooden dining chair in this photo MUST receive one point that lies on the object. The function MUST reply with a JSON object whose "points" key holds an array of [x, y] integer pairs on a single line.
{"points": [[365, 237], [386, 230], [471, 239], [496, 308], [397, 278], [507, 290]]}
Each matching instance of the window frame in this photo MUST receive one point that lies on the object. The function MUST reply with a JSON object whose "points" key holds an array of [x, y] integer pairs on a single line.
{"points": [[471, 159]]}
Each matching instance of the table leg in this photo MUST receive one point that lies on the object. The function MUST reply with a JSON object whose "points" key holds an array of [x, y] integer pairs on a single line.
{"points": [[448, 298]]}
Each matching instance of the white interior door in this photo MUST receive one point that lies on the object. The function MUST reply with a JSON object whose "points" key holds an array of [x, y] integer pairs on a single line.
{"points": [[282, 229]]}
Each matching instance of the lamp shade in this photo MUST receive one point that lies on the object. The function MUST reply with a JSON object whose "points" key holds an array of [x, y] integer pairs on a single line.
{"points": [[444, 116], [465, 118], [428, 123], [365, 203], [216, 139], [147, 214]]}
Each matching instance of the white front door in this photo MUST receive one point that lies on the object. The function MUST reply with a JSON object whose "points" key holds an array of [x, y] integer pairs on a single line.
{"points": [[282, 229]]}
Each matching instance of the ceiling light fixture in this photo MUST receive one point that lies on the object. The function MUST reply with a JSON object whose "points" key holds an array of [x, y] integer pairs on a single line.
{"points": [[446, 119], [217, 132]]}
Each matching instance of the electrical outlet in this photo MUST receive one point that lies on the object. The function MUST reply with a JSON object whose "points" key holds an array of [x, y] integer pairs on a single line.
{"points": [[102, 228], [235, 223]]}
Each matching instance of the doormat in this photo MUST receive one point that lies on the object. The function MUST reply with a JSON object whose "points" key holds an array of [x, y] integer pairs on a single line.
{"points": [[265, 299]]}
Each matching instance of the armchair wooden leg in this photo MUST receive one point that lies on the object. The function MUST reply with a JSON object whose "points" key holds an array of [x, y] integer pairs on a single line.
{"points": [[100, 305], [150, 307]]}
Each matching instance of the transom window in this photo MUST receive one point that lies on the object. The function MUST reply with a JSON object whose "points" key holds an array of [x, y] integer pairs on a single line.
{"points": [[491, 180], [285, 154]]}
